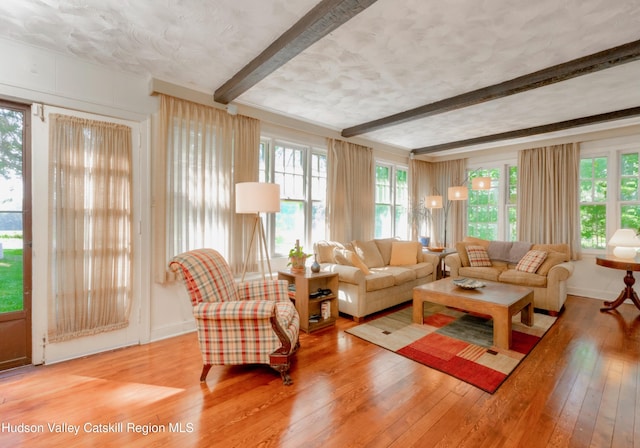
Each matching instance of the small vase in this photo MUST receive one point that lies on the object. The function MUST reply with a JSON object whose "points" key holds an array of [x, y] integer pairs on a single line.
{"points": [[315, 267]]}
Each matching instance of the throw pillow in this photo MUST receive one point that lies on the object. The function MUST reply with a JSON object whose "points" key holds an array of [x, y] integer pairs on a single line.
{"points": [[357, 262], [478, 256], [531, 261], [404, 253], [369, 252], [325, 250]]}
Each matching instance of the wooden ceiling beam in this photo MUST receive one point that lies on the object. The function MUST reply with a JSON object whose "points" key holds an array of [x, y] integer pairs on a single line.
{"points": [[325, 17], [527, 132], [582, 66]]}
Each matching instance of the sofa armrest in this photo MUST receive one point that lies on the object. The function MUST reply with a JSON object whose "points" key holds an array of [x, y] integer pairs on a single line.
{"points": [[454, 263], [560, 272], [347, 274], [433, 260]]}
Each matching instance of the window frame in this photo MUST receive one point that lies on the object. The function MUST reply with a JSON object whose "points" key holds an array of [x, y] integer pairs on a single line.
{"points": [[612, 149], [502, 165], [267, 170], [393, 203]]}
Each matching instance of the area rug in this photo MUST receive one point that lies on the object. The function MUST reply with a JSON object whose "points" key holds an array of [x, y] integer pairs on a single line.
{"points": [[455, 342]]}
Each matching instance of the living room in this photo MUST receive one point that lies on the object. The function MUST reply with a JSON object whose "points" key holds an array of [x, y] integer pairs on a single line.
{"points": [[53, 82]]}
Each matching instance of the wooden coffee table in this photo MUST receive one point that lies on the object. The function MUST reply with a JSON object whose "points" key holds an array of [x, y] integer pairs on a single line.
{"points": [[499, 300]]}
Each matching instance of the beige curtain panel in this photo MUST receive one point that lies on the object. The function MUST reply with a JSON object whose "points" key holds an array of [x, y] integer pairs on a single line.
{"points": [[548, 196], [202, 152], [350, 191], [91, 205], [428, 178]]}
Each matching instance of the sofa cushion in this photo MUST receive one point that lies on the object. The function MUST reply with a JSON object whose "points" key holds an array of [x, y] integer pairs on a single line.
{"points": [[421, 269], [531, 261], [522, 278], [343, 256], [369, 252], [562, 248], [553, 258], [357, 262], [484, 273], [325, 250], [400, 274], [478, 256], [404, 253], [384, 246], [379, 280]]}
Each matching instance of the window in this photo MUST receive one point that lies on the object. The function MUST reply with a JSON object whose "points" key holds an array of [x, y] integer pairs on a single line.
{"points": [[301, 172], [609, 190], [511, 203], [629, 197], [593, 202], [485, 216], [392, 199]]}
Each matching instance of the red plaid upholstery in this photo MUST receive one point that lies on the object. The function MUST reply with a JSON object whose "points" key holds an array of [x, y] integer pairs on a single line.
{"points": [[234, 320]]}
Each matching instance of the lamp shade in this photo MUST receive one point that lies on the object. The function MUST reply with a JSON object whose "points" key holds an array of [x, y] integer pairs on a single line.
{"points": [[433, 201], [481, 183], [257, 197], [458, 193], [625, 243]]}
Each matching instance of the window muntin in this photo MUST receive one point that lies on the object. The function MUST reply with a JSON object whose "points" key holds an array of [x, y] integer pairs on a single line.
{"points": [[483, 214]]}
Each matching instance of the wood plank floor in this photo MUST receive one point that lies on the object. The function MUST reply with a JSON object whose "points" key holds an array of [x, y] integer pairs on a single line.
{"points": [[579, 387]]}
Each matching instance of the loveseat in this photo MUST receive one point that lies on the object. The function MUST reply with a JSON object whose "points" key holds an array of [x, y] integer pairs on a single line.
{"points": [[376, 274], [544, 268]]}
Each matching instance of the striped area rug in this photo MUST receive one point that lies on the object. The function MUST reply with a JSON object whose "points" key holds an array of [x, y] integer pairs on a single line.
{"points": [[455, 342]]}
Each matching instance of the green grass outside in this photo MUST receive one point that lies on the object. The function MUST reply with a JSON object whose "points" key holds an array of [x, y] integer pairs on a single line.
{"points": [[11, 281]]}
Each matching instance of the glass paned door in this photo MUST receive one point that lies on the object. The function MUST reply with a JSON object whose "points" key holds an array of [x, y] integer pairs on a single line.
{"points": [[15, 237]]}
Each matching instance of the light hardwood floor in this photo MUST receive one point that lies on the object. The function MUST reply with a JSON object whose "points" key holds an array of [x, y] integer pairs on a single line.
{"points": [[579, 387]]}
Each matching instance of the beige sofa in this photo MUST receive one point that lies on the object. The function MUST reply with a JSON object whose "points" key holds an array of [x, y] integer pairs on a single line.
{"points": [[549, 281], [375, 274]]}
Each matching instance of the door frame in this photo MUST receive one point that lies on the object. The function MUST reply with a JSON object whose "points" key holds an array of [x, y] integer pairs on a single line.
{"points": [[12, 321]]}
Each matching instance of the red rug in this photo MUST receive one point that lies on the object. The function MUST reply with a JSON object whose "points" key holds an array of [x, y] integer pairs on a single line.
{"points": [[455, 342]]}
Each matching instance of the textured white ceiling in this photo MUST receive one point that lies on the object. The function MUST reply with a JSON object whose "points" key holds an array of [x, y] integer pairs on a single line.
{"points": [[394, 56]]}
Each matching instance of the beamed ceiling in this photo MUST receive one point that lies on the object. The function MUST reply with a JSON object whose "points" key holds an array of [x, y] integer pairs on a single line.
{"points": [[420, 75]]}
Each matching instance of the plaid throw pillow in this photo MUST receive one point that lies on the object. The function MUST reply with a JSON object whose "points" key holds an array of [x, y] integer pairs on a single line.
{"points": [[478, 256], [531, 261]]}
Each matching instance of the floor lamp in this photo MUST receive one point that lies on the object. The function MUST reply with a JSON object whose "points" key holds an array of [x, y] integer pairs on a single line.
{"points": [[255, 198], [460, 193]]}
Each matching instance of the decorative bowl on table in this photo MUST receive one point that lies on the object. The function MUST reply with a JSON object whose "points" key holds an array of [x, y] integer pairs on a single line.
{"points": [[467, 283], [436, 249]]}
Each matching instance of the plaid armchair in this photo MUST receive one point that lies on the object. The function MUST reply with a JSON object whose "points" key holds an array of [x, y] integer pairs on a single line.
{"points": [[238, 323]]}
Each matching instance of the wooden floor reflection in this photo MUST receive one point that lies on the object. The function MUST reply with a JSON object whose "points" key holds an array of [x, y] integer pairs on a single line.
{"points": [[579, 387]]}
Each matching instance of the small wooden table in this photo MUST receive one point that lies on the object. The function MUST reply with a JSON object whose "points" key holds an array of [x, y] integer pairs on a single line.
{"points": [[499, 300], [442, 268], [306, 283], [609, 261]]}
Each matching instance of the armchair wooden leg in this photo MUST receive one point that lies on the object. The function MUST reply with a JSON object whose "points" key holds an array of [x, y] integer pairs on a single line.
{"points": [[205, 371]]}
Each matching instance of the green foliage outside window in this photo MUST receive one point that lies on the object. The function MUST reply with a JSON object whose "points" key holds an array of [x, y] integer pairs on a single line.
{"points": [[482, 207], [593, 197]]}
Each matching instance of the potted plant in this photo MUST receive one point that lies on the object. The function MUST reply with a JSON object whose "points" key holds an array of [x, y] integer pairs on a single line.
{"points": [[297, 258]]}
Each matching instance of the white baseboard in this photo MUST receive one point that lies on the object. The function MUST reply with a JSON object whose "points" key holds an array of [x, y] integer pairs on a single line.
{"points": [[169, 331]]}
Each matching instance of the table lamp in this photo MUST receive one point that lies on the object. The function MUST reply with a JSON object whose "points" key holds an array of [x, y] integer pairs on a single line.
{"points": [[625, 243]]}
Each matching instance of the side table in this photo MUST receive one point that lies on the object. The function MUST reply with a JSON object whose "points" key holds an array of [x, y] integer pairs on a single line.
{"points": [[628, 292], [442, 269], [316, 311]]}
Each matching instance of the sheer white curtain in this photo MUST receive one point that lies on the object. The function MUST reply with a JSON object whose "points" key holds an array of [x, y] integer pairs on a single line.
{"points": [[202, 153], [548, 195], [91, 237], [350, 191]]}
